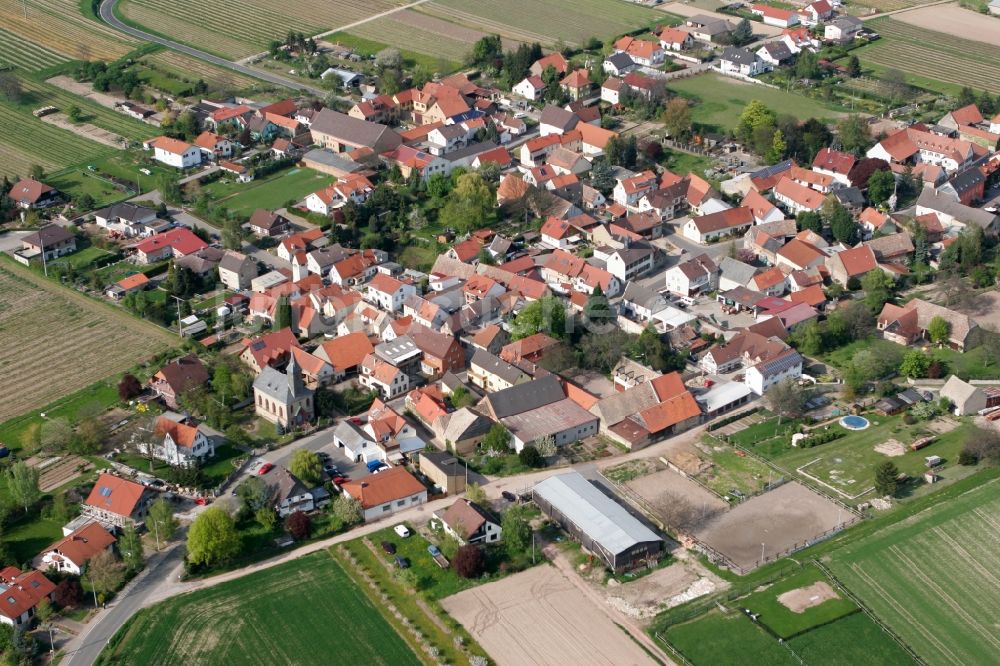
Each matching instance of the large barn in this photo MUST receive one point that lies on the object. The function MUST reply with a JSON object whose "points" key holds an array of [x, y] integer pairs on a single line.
{"points": [[599, 523]]}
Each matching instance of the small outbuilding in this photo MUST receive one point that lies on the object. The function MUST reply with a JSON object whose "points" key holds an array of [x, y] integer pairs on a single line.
{"points": [[965, 398], [599, 523]]}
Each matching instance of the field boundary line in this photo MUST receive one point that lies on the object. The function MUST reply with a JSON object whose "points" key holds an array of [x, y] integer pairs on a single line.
{"points": [[867, 611], [673, 650]]}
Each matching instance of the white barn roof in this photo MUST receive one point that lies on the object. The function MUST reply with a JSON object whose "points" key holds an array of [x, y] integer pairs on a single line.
{"points": [[601, 518]]}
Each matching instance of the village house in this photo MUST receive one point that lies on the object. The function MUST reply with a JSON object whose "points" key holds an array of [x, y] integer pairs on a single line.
{"points": [[176, 377], [443, 469], [343, 134], [641, 51], [781, 18], [23, 591], [386, 493], [851, 264], [237, 270], [675, 39], [174, 152], [707, 228], [468, 522], [576, 84], [699, 274], [265, 224], [708, 29], [178, 443], [48, 243], [742, 62], [175, 243], [387, 292], [554, 60], [908, 323], [290, 494], [269, 349], [71, 553], [491, 373], [618, 64], [530, 88], [115, 502], [213, 147], [797, 198], [843, 29]]}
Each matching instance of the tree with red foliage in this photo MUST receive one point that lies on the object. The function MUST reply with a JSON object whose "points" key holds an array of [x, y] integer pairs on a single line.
{"points": [[129, 387], [863, 170], [68, 594], [469, 561], [298, 525], [654, 151], [935, 370]]}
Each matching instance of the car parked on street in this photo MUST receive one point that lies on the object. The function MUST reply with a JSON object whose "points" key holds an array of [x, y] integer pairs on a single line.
{"points": [[265, 468]]}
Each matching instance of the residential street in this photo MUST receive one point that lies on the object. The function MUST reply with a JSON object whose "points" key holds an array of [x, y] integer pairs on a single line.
{"points": [[161, 579]]}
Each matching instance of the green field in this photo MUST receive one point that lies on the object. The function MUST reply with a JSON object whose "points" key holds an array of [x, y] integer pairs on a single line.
{"points": [[933, 578], [307, 611], [715, 639], [731, 471], [571, 21], [215, 25], [272, 192], [927, 54], [418, 40], [721, 100], [850, 641], [411, 57], [783, 621]]}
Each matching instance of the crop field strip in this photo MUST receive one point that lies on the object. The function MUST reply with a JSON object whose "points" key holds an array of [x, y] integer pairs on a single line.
{"points": [[416, 39], [886, 5], [239, 30], [307, 611], [189, 67], [60, 26], [934, 55], [25, 54], [31, 141], [572, 21], [43, 94], [74, 341], [935, 580]]}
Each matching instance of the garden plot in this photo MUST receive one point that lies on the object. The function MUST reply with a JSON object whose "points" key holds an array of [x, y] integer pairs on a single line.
{"points": [[56, 472], [86, 130]]}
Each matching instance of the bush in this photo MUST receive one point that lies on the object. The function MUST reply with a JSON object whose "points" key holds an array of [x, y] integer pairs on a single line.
{"points": [[909, 419], [469, 561], [530, 456], [68, 594], [820, 438], [967, 458]]}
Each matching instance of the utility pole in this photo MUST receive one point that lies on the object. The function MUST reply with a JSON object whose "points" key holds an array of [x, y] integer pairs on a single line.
{"points": [[762, 552], [52, 643], [179, 300], [532, 546], [156, 530]]}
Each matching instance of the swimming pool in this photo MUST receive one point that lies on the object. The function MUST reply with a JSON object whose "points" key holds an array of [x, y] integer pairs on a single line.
{"points": [[854, 422]]}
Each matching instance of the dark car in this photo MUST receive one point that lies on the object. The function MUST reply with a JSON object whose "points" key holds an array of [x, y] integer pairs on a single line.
{"points": [[331, 469], [509, 496], [402, 562], [389, 547]]}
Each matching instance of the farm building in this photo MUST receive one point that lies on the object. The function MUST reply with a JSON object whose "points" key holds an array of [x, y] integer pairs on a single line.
{"points": [[599, 523]]}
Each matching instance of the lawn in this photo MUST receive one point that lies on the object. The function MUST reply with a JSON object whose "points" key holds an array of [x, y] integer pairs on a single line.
{"points": [[715, 639], [569, 21], [307, 611], [850, 641], [221, 466], [102, 395], [721, 99], [75, 341], [932, 578], [76, 182], [272, 192], [783, 621], [28, 534], [732, 471], [948, 61], [684, 163], [435, 582]]}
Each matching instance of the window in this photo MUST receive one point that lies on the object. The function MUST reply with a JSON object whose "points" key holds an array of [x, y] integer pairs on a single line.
{"points": [[386, 508], [401, 503]]}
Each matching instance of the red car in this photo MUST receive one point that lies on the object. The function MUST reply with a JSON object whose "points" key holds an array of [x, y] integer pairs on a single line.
{"points": [[264, 469], [340, 480]]}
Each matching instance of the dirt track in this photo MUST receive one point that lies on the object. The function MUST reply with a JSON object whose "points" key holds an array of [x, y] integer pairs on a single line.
{"points": [[539, 617], [86, 130], [954, 20]]}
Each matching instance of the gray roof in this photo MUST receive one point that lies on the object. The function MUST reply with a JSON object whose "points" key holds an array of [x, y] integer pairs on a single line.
{"points": [[125, 211], [464, 424], [469, 151], [948, 205], [557, 117], [616, 407], [351, 435], [47, 236], [958, 391], [778, 50], [331, 159], [525, 397], [397, 350], [355, 131], [644, 296], [620, 60], [739, 56], [849, 196], [845, 21], [736, 270], [285, 386], [497, 366], [444, 461], [598, 516], [235, 262], [284, 484]]}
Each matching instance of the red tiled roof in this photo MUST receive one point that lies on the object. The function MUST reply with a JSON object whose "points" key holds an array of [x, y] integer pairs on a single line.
{"points": [[378, 489], [182, 241], [82, 544], [115, 495], [858, 260]]}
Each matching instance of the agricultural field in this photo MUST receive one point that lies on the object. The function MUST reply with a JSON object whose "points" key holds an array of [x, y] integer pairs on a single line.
{"points": [[25, 55], [721, 99], [933, 578], [571, 21], [798, 603], [70, 341], [866, 7], [427, 35], [733, 639], [25, 140], [237, 32], [271, 192], [60, 26], [192, 68], [307, 611], [954, 20], [928, 54]]}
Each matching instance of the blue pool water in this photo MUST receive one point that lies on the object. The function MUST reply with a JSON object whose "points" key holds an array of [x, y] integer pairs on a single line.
{"points": [[854, 422]]}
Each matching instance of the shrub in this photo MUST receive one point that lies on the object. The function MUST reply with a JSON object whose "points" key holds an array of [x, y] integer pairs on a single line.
{"points": [[530, 456], [298, 525], [469, 561], [68, 594], [967, 458], [909, 419]]}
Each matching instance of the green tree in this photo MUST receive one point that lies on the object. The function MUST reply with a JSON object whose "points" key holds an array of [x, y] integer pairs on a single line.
{"points": [[546, 446], [91, 433], [255, 494], [881, 186], [743, 34], [778, 148], [74, 113], [130, 546], [460, 397], [306, 465], [787, 399], [213, 538], [676, 118], [170, 189], [810, 220], [546, 315], [56, 434], [530, 456], [915, 364], [232, 234], [939, 330], [22, 484], [886, 474], [854, 134], [597, 310], [516, 530], [878, 289], [497, 439], [602, 177], [842, 224], [755, 115], [853, 67], [161, 519], [282, 313], [347, 509], [475, 494], [105, 572], [267, 518], [470, 204]]}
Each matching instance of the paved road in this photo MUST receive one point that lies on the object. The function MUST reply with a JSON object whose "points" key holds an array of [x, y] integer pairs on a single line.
{"points": [[108, 16], [83, 649]]}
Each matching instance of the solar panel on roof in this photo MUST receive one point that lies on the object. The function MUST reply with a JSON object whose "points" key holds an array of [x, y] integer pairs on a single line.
{"points": [[105, 491]]}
